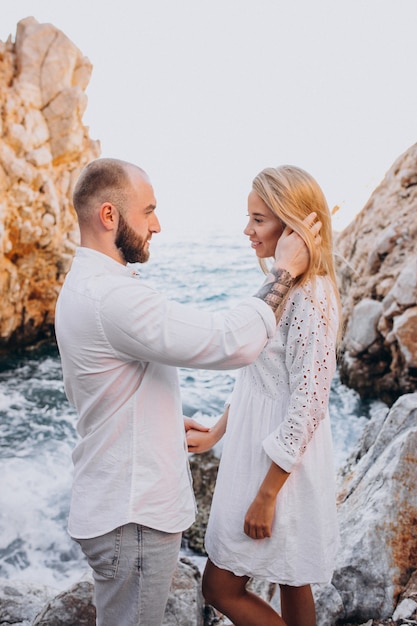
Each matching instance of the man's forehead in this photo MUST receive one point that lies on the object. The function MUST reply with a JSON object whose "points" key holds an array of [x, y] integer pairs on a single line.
{"points": [[136, 172], [142, 188]]}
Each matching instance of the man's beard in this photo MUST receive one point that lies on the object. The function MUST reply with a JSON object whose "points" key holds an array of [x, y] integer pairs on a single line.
{"points": [[134, 248]]}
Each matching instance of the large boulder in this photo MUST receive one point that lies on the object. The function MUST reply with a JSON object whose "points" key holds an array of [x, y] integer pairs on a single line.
{"points": [[185, 602], [378, 523], [74, 606], [377, 271], [25, 604], [43, 146], [21, 601]]}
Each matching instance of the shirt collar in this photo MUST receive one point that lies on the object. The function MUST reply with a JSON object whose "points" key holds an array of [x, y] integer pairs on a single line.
{"points": [[106, 263]]}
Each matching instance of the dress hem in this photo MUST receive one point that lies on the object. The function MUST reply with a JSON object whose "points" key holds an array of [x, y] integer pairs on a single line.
{"points": [[272, 579]]}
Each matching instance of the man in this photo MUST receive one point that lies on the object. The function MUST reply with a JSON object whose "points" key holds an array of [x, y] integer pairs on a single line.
{"points": [[120, 343]]}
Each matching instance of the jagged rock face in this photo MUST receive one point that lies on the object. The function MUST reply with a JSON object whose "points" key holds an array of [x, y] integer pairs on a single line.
{"points": [[377, 269], [43, 146], [375, 575]]}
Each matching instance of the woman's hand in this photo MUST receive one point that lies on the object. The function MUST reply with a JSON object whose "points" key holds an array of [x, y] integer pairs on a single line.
{"points": [[259, 517], [199, 441], [260, 514], [196, 434]]}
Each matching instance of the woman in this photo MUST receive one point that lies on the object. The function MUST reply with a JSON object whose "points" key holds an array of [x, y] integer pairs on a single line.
{"points": [[273, 513]]}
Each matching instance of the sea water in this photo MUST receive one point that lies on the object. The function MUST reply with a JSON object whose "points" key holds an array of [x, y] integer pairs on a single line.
{"points": [[37, 425]]}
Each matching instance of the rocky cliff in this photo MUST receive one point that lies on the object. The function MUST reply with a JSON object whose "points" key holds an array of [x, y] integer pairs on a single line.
{"points": [[43, 145], [377, 268]]}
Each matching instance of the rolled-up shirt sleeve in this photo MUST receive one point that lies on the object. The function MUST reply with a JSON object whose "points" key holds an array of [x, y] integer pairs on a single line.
{"points": [[311, 364]]}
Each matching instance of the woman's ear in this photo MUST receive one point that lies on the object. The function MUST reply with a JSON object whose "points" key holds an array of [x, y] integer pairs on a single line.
{"points": [[108, 215]]}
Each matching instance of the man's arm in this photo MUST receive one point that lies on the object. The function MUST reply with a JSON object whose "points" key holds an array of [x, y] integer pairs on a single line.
{"points": [[274, 290], [291, 260]]}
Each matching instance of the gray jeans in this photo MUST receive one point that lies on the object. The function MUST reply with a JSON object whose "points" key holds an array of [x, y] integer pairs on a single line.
{"points": [[133, 566]]}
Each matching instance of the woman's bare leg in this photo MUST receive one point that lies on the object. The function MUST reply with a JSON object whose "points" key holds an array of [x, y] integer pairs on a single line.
{"points": [[297, 606], [228, 594]]}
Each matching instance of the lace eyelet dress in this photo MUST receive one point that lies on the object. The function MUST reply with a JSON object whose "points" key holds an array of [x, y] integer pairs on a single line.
{"points": [[279, 412]]}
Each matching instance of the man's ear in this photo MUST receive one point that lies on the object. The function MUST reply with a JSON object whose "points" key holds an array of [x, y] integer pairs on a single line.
{"points": [[109, 216]]}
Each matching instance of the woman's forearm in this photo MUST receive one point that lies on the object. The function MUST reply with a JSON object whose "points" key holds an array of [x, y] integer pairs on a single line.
{"points": [[260, 515], [273, 481], [220, 426]]}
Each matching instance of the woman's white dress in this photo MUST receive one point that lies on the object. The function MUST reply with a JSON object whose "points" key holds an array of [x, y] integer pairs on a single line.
{"points": [[279, 412]]}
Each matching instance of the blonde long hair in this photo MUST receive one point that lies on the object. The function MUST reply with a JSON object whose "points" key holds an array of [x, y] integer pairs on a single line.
{"points": [[291, 194]]}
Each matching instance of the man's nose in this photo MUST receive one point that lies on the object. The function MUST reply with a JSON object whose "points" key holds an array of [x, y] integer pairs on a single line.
{"points": [[155, 225]]}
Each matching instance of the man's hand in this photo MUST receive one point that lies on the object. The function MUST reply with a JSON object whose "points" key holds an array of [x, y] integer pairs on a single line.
{"points": [[291, 260], [291, 253], [190, 424]]}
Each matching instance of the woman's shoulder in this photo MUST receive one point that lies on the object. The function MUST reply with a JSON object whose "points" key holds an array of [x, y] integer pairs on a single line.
{"points": [[316, 297], [318, 289], [311, 304]]}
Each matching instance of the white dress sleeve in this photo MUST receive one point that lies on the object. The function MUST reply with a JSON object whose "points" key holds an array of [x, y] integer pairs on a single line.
{"points": [[311, 320]]}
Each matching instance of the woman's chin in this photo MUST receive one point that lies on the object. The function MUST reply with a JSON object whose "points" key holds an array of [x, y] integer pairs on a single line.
{"points": [[263, 255]]}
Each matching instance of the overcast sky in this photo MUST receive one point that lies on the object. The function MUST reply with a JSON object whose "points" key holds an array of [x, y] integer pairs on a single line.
{"points": [[205, 93]]}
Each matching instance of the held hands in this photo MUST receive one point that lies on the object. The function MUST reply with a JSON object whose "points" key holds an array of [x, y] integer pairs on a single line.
{"points": [[200, 440], [196, 435], [291, 252]]}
